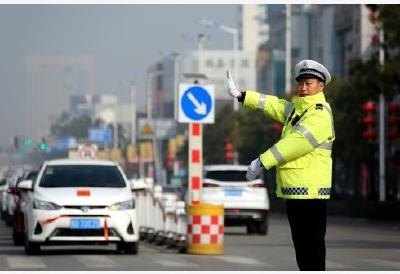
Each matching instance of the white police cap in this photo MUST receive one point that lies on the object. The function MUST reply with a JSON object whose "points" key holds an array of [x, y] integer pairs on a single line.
{"points": [[311, 67]]}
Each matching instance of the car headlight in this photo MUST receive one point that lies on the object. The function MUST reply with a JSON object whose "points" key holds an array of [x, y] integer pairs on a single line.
{"points": [[130, 204], [38, 204]]}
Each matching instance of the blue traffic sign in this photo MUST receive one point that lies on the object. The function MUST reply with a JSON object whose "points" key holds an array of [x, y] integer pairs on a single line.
{"points": [[100, 135], [62, 144], [196, 103]]}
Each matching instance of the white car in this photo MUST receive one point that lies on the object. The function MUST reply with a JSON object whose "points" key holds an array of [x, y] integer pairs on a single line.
{"points": [[8, 201], [3, 195], [245, 202], [80, 202]]}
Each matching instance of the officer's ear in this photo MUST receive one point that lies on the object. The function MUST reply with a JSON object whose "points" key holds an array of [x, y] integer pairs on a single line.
{"points": [[321, 85]]}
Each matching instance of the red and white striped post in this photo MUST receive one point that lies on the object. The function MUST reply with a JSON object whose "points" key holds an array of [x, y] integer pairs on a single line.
{"points": [[195, 162]]}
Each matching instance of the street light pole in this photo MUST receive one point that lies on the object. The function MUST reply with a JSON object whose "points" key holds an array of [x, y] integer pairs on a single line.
{"points": [[236, 65], [382, 179], [235, 33], [288, 48], [176, 83], [133, 117], [115, 146], [156, 152]]}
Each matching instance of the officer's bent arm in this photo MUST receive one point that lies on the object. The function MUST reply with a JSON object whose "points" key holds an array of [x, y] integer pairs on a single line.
{"points": [[304, 138]]}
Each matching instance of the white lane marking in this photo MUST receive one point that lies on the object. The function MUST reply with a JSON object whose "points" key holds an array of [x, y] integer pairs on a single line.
{"points": [[24, 262], [385, 263], [96, 261], [331, 264], [240, 260], [173, 261], [175, 264]]}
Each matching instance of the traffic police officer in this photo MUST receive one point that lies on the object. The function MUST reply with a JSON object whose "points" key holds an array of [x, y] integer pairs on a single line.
{"points": [[302, 157]]}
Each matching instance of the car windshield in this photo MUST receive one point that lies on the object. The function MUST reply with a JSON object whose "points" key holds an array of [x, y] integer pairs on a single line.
{"points": [[82, 176], [171, 189], [32, 175], [226, 175]]}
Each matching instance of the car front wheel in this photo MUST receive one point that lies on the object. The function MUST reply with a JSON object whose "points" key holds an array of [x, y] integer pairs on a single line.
{"points": [[262, 228], [129, 248], [251, 228], [18, 238], [31, 248]]}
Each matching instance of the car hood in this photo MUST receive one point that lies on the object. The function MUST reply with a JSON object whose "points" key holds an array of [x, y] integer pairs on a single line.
{"points": [[97, 196]]}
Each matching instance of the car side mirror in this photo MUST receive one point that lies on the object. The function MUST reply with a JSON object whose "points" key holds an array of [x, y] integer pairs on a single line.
{"points": [[25, 185], [137, 184]]}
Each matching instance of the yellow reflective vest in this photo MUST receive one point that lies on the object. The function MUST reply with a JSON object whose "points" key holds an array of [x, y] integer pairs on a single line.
{"points": [[302, 156]]}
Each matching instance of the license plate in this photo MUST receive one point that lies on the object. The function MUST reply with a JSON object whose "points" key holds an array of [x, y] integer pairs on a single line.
{"points": [[84, 223], [233, 192]]}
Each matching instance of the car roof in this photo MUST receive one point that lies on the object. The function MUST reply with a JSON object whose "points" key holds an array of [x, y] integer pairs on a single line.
{"points": [[225, 167], [57, 162]]}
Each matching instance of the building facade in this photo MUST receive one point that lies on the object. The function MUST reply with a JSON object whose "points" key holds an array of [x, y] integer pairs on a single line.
{"points": [[252, 26], [324, 33], [353, 33], [50, 81]]}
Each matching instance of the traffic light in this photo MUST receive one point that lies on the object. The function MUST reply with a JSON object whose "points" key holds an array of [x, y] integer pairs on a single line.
{"points": [[373, 12], [228, 148], [170, 160], [43, 144], [375, 39], [27, 142], [373, 17], [393, 120], [369, 120], [16, 142]]}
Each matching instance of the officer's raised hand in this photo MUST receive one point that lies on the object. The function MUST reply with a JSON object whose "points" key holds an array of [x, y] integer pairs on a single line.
{"points": [[233, 91], [254, 169]]}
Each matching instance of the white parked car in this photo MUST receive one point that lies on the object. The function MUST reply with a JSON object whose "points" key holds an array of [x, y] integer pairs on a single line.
{"points": [[3, 195], [80, 202], [245, 202], [8, 200]]}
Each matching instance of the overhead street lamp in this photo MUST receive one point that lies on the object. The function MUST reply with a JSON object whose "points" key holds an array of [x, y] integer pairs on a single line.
{"points": [[288, 47], [211, 23]]}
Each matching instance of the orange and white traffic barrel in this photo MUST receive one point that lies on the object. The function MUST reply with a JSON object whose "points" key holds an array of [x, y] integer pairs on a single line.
{"points": [[205, 229]]}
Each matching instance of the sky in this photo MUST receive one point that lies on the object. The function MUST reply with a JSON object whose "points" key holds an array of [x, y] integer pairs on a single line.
{"points": [[122, 39]]}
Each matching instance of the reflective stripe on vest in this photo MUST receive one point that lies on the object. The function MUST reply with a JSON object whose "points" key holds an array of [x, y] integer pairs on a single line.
{"points": [[330, 112], [277, 154], [304, 191], [287, 110], [261, 102], [324, 191], [327, 145], [307, 134], [294, 190]]}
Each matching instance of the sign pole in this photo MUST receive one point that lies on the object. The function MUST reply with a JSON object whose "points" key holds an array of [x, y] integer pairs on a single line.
{"points": [[196, 106], [195, 162]]}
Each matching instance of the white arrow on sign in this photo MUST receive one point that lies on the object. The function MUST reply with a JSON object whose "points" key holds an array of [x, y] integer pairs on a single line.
{"points": [[201, 108]]}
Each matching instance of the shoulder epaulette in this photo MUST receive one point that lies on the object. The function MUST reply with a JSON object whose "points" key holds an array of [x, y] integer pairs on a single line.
{"points": [[319, 106]]}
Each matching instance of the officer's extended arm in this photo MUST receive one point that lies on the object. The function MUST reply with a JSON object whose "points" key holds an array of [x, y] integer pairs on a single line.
{"points": [[277, 109], [272, 106]]}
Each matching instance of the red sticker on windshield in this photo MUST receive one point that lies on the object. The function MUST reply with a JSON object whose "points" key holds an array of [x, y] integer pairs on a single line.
{"points": [[83, 193]]}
